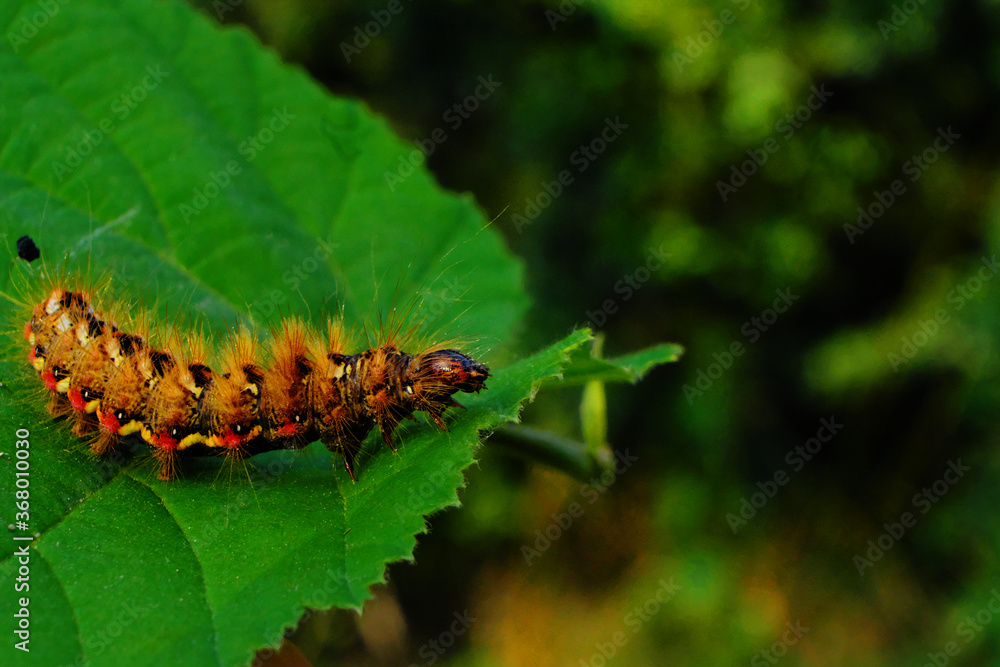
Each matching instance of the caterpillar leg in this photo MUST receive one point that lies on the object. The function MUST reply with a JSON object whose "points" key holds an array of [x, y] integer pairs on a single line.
{"points": [[437, 411], [167, 458], [387, 436], [103, 443], [348, 453]]}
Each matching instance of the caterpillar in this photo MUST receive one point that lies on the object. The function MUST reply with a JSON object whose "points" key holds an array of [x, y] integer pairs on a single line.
{"points": [[111, 382]]}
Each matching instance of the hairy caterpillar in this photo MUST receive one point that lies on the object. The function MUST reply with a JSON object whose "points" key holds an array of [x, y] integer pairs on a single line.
{"points": [[110, 380]]}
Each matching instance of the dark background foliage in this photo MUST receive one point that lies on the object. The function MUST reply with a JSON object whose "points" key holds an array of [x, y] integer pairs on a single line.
{"points": [[857, 345]]}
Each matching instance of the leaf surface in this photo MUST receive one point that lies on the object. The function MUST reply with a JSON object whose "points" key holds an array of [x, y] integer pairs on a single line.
{"points": [[207, 182], [214, 185]]}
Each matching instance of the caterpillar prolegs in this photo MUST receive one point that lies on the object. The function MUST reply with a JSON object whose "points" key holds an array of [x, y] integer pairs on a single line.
{"points": [[113, 383]]}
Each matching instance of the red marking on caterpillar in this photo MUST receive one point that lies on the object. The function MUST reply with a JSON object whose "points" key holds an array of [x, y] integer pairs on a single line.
{"points": [[115, 384]]}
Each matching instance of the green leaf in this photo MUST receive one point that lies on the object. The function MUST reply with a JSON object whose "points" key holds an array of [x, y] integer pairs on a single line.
{"points": [[215, 185], [192, 165], [190, 168], [633, 367], [131, 570], [586, 367]]}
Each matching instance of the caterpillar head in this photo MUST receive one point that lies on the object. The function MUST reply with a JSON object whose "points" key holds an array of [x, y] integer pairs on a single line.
{"points": [[448, 371]]}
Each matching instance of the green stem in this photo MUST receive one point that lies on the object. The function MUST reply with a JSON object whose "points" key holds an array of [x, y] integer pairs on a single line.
{"points": [[546, 447]]}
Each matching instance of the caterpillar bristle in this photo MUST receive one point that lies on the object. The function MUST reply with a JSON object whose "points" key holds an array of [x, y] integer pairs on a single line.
{"points": [[285, 388], [117, 380]]}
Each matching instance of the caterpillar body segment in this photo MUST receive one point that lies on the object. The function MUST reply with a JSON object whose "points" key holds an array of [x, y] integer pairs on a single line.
{"points": [[113, 384]]}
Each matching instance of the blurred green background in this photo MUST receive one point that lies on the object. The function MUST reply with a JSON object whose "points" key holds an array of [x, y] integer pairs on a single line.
{"points": [[891, 330]]}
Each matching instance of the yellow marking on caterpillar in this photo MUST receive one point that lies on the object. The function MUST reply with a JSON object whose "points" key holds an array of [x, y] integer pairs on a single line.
{"points": [[131, 427], [192, 439]]}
